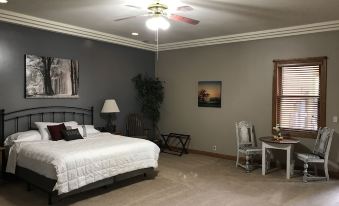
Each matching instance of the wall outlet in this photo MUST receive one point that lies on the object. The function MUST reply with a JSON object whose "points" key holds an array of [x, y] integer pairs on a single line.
{"points": [[214, 148], [335, 119]]}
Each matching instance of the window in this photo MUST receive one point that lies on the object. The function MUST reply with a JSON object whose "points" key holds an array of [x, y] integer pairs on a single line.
{"points": [[299, 96]]}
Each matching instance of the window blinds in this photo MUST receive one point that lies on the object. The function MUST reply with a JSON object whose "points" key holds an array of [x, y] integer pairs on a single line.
{"points": [[298, 97]]}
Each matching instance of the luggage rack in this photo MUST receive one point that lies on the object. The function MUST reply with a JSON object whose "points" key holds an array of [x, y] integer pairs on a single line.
{"points": [[182, 143]]}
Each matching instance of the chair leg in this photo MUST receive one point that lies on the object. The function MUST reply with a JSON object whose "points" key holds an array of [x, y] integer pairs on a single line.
{"points": [[305, 172], [326, 171], [247, 163], [237, 162]]}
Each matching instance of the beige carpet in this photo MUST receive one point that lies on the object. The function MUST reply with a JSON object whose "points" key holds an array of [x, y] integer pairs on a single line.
{"points": [[192, 180]]}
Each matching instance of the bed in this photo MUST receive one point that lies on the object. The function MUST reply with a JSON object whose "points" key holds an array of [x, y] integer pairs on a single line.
{"points": [[63, 168]]}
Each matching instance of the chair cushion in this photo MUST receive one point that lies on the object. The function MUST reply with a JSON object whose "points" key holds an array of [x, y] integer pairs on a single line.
{"points": [[307, 157], [249, 149]]}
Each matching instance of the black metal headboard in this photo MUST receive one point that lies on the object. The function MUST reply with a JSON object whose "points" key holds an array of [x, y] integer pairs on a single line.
{"points": [[66, 113]]}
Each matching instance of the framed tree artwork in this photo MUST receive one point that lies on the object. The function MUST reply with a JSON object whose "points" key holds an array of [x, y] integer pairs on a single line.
{"points": [[209, 94], [49, 77]]}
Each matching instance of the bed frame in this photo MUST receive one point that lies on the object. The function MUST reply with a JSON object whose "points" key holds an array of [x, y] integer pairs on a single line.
{"points": [[53, 114]]}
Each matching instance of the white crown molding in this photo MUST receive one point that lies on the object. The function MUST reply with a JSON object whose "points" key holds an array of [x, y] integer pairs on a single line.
{"points": [[39, 23], [250, 36]]}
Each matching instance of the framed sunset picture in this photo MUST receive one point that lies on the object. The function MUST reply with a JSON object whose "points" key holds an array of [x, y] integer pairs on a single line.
{"points": [[209, 94]]}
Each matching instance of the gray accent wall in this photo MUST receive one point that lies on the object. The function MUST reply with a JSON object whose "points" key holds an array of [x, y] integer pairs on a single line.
{"points": [[105, 69], [246, 72]]}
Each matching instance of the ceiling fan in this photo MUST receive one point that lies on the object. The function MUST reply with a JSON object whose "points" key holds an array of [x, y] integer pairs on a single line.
{"points": [[159, 15]]}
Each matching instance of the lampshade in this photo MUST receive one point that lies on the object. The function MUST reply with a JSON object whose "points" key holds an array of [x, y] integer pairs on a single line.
{"points": [[157, 22], [110, 106]]}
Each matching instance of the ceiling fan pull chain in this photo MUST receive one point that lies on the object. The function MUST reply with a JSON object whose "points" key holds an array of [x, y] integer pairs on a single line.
{"points": [[157, 39]]}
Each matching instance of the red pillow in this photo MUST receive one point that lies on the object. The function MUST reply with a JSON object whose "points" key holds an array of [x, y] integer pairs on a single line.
{"points": [[55, 131]]}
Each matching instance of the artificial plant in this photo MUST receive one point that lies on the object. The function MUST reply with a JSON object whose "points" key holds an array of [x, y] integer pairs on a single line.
{"points": [[150, 94]]}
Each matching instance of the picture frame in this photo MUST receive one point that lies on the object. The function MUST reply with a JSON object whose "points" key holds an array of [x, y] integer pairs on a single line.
{"points": [[50, 77], [209, 94]]}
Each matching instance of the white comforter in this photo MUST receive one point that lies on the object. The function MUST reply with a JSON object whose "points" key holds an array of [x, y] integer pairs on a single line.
{"points": [[80, 162]]}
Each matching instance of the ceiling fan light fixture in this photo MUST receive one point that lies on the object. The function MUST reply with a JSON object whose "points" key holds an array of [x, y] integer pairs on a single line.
{"points": [[157, 22]]}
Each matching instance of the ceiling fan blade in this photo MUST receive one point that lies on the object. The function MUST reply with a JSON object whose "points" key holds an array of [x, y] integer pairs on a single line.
{"points": [[132, 6], [184, 8], [183, 19], [131, 17], [126, 18]]}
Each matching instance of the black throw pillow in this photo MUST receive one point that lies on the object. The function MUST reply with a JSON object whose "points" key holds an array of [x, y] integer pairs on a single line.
{"points": [[71, 134]]}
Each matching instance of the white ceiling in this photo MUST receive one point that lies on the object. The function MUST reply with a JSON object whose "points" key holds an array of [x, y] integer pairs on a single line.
{"points": [[218, 17]]}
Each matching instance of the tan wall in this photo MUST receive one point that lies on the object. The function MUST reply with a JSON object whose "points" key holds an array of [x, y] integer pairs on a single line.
{"points": [[246, 72]]}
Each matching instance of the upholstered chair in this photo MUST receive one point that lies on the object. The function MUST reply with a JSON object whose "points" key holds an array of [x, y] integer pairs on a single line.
{"points": [[319, 155], [246, 145]]}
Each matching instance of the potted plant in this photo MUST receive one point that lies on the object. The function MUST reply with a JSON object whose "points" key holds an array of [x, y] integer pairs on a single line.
{"points": [[150, 94]]}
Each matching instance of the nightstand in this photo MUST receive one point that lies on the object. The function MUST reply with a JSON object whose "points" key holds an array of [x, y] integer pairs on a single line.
{"points": [[101, 129]]}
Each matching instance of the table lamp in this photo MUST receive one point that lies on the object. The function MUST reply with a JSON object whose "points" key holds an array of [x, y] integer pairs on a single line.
{"points": [[110, 108]]}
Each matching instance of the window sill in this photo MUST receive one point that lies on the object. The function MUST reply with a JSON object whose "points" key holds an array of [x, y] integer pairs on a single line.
{"points": [[300, 133]]}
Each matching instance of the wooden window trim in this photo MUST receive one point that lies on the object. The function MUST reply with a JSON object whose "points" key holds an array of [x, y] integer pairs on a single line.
{"points": [[322, 62]]}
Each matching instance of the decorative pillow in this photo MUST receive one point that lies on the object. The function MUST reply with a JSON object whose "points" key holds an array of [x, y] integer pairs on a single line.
{"points": [[55, 131], [42, 126], [86, 130], [80, 129], [71, 134], [31, 135]]}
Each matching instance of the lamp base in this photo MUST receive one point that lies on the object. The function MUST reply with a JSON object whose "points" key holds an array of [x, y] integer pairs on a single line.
{"points": [[110, 125], [110, 128]]}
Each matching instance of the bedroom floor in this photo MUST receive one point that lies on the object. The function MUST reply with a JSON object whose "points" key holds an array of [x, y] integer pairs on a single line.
{"points": [[192, 180]]}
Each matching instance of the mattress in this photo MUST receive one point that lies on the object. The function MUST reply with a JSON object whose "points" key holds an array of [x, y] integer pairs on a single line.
{"points": [[77, 163]]}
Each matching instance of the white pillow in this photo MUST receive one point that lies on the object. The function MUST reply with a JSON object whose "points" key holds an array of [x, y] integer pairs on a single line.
{"points": [[42, 126], [90, 129], [31, 135], [86, 130]]}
